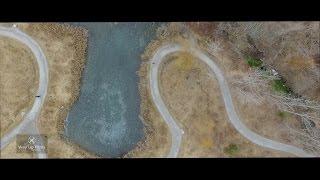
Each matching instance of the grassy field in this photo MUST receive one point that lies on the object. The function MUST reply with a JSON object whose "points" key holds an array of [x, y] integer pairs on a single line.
{"points": [[18, 82], [194, 99], [65, 49]]}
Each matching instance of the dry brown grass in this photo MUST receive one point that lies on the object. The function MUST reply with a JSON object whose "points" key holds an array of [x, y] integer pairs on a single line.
{"points": [[263, 118], [194, 99], [65, 49], [157, 139], [276, 43], [266, 122], [10, 151], [302, 75], [18, 82], [299, 63]]}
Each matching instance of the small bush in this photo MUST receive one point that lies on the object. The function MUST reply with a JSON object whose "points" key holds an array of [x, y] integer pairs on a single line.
{"points": [[232, 149], [253, 62], [278, 85], [282, 114]]}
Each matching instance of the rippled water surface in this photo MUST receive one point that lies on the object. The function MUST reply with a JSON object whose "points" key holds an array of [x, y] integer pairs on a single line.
{"points": [[105, 119]]}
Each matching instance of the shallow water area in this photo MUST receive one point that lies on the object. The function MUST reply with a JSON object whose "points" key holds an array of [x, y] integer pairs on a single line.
{"points": [[105, 119]]}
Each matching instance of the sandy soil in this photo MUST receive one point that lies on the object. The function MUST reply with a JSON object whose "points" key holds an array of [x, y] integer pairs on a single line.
{"points": [[18, 82]]}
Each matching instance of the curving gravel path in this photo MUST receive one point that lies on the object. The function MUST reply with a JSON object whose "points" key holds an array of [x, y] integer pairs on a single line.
{"points": [[28, 124], [177, 132]]}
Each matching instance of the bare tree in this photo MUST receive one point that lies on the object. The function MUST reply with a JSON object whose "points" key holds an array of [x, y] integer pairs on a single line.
{"points": [[255, 88], [279, 41]]}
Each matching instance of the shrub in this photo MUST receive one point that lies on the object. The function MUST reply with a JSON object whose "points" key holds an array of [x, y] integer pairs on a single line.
{"points": [[282, 114], [232, 149], [278, 85], [253, 62]]}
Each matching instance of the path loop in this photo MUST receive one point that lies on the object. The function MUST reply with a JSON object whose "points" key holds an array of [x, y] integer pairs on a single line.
{"points": [[176, 131], [28, 124]]}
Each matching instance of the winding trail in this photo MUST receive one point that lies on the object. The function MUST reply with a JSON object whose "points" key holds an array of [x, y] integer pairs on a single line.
{"points": [[28, 124], [177, 132]]}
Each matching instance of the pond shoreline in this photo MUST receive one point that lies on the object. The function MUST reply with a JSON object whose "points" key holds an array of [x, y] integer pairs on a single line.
{"points": [[111, 127]]}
